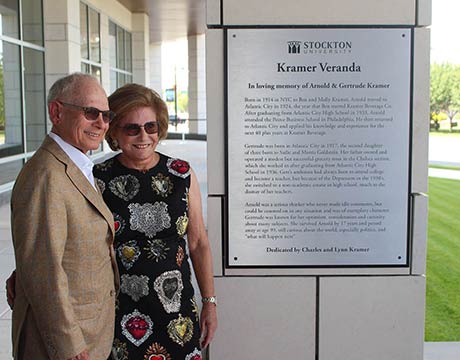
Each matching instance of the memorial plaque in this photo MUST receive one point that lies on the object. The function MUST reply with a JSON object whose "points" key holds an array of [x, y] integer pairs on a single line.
{"points": [[318, 146]]}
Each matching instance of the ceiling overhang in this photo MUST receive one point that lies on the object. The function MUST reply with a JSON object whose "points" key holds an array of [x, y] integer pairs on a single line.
{"points": [[171, 19]]}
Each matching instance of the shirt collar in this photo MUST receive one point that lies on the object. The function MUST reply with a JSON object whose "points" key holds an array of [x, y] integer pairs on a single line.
{"points": [[81, 160]]}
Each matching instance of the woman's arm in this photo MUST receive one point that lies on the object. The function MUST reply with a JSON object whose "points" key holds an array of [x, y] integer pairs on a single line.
{"points": [[200, 254]]}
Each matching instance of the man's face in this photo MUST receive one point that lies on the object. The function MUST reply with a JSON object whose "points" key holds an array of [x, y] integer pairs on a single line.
{"points": [[71, 124]]}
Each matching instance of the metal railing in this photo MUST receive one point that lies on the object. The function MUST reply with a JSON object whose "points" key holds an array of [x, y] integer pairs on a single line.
{"points": [[183, 129]]}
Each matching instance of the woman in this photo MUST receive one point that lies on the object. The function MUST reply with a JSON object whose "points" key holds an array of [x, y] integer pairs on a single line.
{"points": [[156, 202]]}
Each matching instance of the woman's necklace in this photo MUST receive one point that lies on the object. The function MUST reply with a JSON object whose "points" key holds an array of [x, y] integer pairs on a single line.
{"points": [[141, 169]]}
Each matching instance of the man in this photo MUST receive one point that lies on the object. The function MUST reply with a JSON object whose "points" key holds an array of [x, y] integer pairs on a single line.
{"points": [[66, 274]]}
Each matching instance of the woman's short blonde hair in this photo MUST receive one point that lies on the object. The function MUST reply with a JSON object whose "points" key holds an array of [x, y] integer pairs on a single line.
{"points": [[133, 96]]}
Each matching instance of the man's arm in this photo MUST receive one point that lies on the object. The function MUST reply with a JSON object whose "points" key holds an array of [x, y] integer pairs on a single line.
{"points": [[10, 293], [39, 226]]}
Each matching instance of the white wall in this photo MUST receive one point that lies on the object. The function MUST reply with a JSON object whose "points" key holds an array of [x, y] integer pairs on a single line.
{"points": [[336, 313]]}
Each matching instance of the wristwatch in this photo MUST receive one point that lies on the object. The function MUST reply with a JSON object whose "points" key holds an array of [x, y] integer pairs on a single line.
{"points": [[209, 299]]}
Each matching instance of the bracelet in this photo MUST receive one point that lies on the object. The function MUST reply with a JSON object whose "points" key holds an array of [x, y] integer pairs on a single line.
{"points": [[210, 299]]}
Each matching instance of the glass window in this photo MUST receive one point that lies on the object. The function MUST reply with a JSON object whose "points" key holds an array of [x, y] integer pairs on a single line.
{"points": [[94, 36], [11, 129], [121, 79], [84, 31], [90, 41], [32, 21], [96, 71], [90, 34], [120, 48], [85, 68], [91, 69], [113, 81], [9, 18], [128, 54], [22, 84], [10, 171], [34, 95], [113, 44]]}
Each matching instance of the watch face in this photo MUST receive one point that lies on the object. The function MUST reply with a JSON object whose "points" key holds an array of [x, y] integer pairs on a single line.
{"points": [[210, 299]]}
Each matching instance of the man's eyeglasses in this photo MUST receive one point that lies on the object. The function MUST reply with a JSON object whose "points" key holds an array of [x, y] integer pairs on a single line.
{"points": [[150, 127], [92, 113]]}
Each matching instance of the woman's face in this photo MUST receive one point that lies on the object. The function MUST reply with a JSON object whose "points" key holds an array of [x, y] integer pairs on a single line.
{"points": [[140, 147]]}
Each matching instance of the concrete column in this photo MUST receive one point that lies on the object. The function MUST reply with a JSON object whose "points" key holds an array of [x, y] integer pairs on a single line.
{"points": [[141, 51], [156, 82], [197, 84], [62, 39]]}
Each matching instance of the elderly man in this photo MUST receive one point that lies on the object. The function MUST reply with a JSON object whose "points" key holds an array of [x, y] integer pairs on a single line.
{"points": [[66, 274]]}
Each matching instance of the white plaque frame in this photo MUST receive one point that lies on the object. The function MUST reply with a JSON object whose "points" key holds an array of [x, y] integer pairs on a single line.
{"points": [[318, 151]]}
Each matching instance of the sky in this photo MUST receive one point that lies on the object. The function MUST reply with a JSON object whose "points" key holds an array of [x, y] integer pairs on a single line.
{"points": [[445, 31]]}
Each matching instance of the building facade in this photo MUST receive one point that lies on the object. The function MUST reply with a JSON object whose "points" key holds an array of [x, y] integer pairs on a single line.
{"points": [[43, 40]]}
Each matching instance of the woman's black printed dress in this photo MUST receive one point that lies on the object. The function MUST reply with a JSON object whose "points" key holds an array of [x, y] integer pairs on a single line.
{"points": [[157, 315]]}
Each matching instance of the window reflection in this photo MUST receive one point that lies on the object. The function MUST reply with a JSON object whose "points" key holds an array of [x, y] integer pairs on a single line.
{"points": [[10, 171], [34, 94], [120, 49], [96, 72], [128, 55], [10, 101], [32, 24], [94, 36], [113, 81], [113, 44], [121, 79], [83, 32], [9, 18], [90, 41], [85, 68], [90, 34], [22, 110]]}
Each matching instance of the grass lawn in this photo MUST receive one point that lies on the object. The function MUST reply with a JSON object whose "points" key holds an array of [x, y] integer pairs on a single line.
{"points": [[443, 261]]}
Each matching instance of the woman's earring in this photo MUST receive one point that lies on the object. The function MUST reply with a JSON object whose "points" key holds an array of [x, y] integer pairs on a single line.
{"points": [[115, 143]]}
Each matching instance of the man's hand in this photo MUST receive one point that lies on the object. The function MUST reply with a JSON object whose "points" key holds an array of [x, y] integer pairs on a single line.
{"points": [[82, 356], [11, 289]]}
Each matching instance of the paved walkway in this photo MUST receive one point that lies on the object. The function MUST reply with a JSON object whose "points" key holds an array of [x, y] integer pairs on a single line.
{"points": [[442, 351], [195, 152], [446, 174], [6, 265], [444, 150]]}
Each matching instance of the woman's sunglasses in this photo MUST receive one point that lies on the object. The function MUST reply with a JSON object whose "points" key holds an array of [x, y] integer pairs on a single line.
{"points": [[150, 127], [92, 113]]}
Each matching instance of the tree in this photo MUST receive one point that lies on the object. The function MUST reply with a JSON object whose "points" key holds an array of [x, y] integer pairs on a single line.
{"points": [[445, 90], [182, 102]]}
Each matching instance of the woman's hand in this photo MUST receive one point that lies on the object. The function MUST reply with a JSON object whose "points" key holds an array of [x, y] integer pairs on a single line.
{"points": [[11, 289], [208, 323]]}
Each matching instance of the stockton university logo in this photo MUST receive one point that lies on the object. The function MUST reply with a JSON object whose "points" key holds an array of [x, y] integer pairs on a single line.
{"points": [[294, 47]]}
